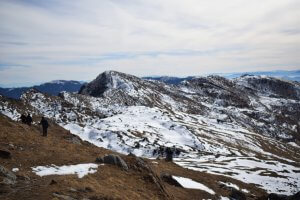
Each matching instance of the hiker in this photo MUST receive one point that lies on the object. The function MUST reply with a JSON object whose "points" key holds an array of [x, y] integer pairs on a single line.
{"points": [[161, 151], [23, 119], [45, 126], [28, 120], [177, 152], [169, 154]]}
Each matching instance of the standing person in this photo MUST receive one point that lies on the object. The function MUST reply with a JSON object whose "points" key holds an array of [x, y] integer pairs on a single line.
{"points": [[23, 119], [45, 126], [169, 154], [28, 120]]}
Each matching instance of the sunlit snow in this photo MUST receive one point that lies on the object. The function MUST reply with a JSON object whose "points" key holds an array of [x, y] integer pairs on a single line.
{"points": [[190, 184], [80, 169]]}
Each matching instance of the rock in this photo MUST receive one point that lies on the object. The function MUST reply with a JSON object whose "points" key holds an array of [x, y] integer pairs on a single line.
{"points": [[85, 190], [72, 190], [4, 188], [75, 140], [295, 196], [23, 177], [169, 179], [6, 176], [5, 154], [273, 196], [140, 163], [64, 197], [11, 146], [151, 176], [53, 182], [113, 160], [99, 160], [237, 195]]}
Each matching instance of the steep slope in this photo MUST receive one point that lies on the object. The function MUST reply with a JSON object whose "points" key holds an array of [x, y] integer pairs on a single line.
{"points": [[30, 151], [123, 89], [251, 108]]}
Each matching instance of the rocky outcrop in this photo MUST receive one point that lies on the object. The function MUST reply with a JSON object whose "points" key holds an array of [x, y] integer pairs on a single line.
{"points": [[113, 160], [166, 177], [284, 197], [237, 195]]}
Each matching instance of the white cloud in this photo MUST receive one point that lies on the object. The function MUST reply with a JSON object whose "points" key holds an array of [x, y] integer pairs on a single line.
{"points": [[79, 39]]}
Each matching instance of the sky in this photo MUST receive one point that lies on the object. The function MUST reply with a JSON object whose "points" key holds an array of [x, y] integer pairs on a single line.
{"points": [[79, 39]]}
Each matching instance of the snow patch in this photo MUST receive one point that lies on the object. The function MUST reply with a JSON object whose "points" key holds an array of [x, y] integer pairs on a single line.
{"points": [[190, 184], [80, 170], [15, 169]]}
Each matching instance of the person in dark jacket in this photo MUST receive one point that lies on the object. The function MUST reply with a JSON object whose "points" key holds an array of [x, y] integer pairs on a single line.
{"points": [[28, 120], [169, 154], [23, 119], [45, 126]]}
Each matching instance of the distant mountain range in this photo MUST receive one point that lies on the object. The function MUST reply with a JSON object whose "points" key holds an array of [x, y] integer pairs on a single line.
{"points": [[52, 88], [57, 86], [286, 75]]}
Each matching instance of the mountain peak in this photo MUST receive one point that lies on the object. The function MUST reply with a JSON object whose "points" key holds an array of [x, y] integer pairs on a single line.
{"points": [[109, 80]]}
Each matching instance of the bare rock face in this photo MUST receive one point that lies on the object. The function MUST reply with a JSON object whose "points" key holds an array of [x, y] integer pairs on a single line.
{"points": [[113, 160], [97, 87]]}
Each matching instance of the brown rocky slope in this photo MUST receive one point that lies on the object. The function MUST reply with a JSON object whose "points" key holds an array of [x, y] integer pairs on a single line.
{"points": [[142, 181]]}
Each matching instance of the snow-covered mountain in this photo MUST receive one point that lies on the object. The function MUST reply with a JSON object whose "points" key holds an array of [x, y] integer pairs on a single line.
{"points": [[168, 79], [53, 88], [247, 128], [293, 75]]}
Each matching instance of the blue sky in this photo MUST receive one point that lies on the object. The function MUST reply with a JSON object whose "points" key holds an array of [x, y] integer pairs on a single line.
{"points": [[78, 39]]}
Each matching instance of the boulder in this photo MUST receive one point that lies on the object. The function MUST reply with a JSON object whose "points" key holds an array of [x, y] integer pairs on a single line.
{"points": [[166, 177], [63, 197], [113, 160], [7, 177], [237, 195], [273, 196], [140, 163], [5, 154]]}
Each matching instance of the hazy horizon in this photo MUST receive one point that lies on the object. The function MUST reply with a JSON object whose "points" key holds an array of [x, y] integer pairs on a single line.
{"points": [[28, 84]]}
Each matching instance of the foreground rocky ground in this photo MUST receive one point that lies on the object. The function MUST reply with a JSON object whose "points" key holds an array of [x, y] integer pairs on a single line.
{"points": [[142, 180]]}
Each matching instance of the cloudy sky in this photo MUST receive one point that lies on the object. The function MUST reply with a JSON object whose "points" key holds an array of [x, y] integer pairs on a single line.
{"points": [[78, 39]]}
